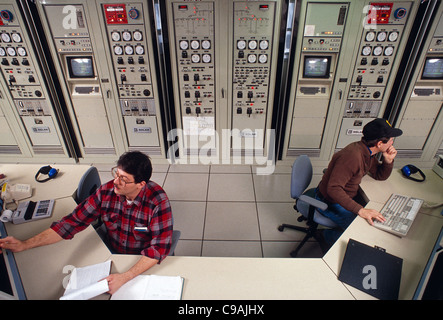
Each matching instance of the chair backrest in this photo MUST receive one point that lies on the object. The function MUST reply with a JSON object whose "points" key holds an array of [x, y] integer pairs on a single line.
{"points": [[88, 184], [301, 176]]}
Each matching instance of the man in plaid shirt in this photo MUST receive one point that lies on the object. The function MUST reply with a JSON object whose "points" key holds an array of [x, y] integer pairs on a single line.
{"points": [[135, 213]]}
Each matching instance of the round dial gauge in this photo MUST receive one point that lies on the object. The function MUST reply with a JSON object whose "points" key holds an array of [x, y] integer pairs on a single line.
{"points": [[264, 44], [195, 58], [2, 52], [206, 58], [129, 50], [252, 58], [389, 51], [139, 50], [11, 52], [184, 45], [381, 36], [195, 44], [115, 36], [393, 36], [127, 36], [6, 37], [252, 45], [21, 51], [16, 37], [366, 51], [206, 44], [263, 58], [118, 50], [377, 51], [370, 36], [138, 36], [241, 44]]}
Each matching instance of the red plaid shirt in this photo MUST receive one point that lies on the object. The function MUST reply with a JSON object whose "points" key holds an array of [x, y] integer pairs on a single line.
{"points": [[143, 227]]}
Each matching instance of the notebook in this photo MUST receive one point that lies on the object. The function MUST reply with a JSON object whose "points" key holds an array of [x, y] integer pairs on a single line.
{"points": [[371, 270]]}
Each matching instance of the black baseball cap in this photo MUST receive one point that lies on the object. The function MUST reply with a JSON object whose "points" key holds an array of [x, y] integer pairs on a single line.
{"points": [[380, 128]]}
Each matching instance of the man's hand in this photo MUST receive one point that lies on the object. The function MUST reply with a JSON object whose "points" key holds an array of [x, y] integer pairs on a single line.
{"points": [[389, 154], [12, 244], [116, 280], [370, 215]]}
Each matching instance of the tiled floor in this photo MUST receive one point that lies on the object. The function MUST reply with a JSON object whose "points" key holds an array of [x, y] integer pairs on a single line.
{"points": [[229, 211]]}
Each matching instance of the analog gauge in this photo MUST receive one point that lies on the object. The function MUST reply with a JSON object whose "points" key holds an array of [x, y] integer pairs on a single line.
{"points": [[195, 44], [377, 51], [241, 44], [206, 58], [6, 37], [206, 44], [21, 51], [2, 52], [195, 58], [393, 36], [138, 36], [115, 36], [118, 50], [263, 58], [129, 50], [252, 58], [127, 36], [139, 50], [389, 51], [16, 37], [252, 45], [11, 52], [381, 36], [184, 45], [370, 36], [366, 51], [264, 44]]}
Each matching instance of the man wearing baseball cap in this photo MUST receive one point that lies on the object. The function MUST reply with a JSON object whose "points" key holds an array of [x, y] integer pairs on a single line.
{"points": [[339, 185]]}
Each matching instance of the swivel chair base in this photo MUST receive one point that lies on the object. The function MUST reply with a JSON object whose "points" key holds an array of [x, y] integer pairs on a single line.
{"points": [[311, 232]]}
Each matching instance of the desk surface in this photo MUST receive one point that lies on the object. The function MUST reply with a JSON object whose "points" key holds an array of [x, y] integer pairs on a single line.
{"points": [[44, 269], [63, 185], [415, 248], [247, 278]]}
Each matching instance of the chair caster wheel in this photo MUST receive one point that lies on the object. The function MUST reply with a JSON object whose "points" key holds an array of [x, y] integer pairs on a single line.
{"points": [[280, 228]]}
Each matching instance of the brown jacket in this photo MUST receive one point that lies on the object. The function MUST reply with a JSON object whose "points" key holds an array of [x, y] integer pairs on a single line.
{"points": [[347, 167]]}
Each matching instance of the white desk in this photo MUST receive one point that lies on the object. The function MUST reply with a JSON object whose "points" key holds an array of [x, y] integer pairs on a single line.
{"points": [[63, 185], [247, 278], [415, 248]]}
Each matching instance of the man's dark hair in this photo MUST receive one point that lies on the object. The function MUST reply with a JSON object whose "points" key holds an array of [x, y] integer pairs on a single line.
{"points": [[136, 163], [373, 142]]}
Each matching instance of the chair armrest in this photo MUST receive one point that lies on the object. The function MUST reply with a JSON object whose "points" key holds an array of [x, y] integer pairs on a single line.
{"points": [[313, 202]]}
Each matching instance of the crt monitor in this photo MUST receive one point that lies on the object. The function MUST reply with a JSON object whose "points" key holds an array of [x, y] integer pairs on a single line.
{"points": [[316, 67], [80, 67], [433, 69]]}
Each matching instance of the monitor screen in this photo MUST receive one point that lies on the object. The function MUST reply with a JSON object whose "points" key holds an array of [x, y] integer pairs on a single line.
{"points": [[317, 67], [80, 67], [433, 69]]}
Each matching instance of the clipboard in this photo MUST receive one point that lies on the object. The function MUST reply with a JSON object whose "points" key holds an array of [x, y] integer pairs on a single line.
{"points": [[371, 270]]}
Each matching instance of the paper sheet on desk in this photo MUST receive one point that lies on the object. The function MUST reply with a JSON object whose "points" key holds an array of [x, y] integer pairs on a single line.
{"points": [[150, 287], [86, 283]]}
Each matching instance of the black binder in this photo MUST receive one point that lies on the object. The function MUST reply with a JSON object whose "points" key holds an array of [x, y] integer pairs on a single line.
{"points": [[371, 270]]}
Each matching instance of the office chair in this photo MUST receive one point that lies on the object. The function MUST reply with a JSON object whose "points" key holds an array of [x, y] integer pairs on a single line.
{"points": [[306, 204], [88, 184]]}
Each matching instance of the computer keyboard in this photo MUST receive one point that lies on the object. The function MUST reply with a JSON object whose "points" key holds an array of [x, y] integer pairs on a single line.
{"points": [[400, 212]]}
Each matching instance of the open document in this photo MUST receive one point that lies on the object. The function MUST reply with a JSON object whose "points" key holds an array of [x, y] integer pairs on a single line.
{"points": [[151, 287], [87, 282]]}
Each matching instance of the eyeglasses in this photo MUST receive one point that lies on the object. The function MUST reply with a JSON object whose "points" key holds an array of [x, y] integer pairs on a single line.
{"points": [[123, 180]]}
